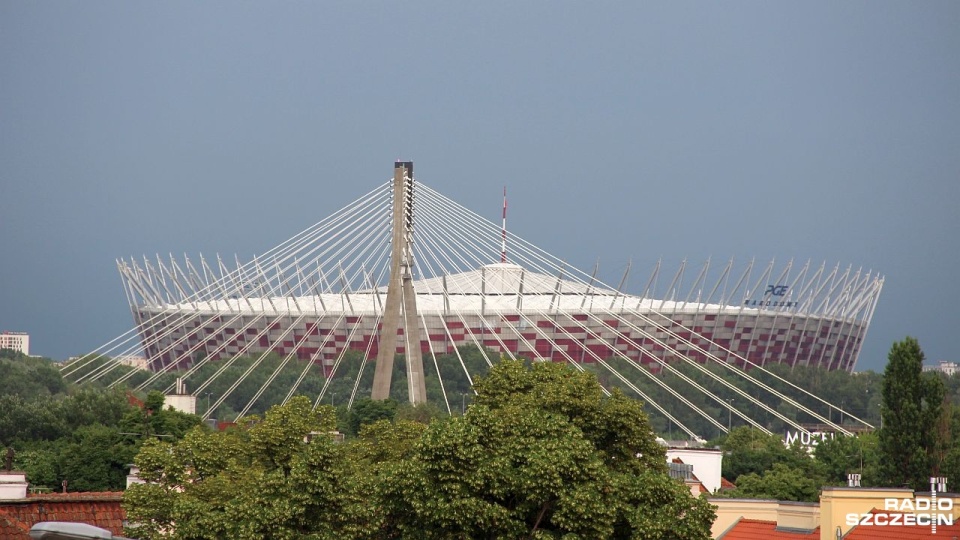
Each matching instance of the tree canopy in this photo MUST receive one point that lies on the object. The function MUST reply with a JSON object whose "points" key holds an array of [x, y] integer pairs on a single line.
{"points": [[542, 453], [912, 406], [86, 438]]}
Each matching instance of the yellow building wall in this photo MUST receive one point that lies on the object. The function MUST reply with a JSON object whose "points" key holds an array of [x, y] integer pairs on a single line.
{"points": [[831, 512]]}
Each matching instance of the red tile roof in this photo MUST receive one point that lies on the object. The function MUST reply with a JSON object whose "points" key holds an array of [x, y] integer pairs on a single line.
{"points": [[98, 509], [134, 400], [755, 529]]}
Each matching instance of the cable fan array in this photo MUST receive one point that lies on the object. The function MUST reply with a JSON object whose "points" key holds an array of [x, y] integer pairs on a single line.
{"points": [[320, 294]]}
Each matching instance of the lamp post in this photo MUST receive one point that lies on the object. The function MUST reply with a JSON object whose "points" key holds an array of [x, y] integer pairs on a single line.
{"points": [[860, 448], [729, 413], [463, 404]]}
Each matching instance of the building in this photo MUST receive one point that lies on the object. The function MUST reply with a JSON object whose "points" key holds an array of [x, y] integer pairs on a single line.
{"points": [[180, 400], [18, 341], [705, 465], [947, 368], [20, 510], [136, 362], [845, 513]]}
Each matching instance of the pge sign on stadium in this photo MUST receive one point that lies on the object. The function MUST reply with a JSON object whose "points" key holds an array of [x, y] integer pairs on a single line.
{"points": [[772, 291], [776, 290]]}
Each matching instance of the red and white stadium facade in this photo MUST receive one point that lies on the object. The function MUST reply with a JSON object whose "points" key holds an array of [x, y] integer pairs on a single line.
{"points": [[322, 292]]}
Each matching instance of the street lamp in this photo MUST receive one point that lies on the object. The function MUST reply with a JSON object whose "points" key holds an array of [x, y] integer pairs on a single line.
{"points": [[729, 413], [463, 404], [861, 458]]}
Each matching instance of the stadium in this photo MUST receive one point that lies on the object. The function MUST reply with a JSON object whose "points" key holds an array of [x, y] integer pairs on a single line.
{"points": [[506, 308], [405, 270]]}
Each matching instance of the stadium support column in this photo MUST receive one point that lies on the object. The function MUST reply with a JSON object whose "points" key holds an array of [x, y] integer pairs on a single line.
{"points": [[400, 311]]}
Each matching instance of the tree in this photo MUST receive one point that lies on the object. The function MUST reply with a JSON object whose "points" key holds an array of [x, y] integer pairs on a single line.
{"points": [[29, 376], [263, 480], [41, 465], [154, 421], [749, 450], [551, 458], [912, 405], [843, 455], [951, 461], [22, 420], [542, 454], [422, 413], [87, 406], [367, 411], [96, 459], [781, 482]]}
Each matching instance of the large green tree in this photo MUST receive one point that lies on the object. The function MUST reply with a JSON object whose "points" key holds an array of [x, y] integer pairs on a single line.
{"points": [[761, 466], [749, 450], [912, 406], [265, 481], [843, 455], [86, 438], [541, 454], [781, 482]]}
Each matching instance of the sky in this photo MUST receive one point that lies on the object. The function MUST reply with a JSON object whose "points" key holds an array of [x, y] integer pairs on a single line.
{"points": [[623, 131]]}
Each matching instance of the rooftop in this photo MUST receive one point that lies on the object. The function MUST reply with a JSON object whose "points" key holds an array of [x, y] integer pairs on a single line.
{"points": [[101, 509], [755, 529]]}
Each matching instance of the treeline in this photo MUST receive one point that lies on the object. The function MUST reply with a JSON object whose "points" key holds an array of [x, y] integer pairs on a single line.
{"points": [[541, 453], [251, 384], [28, 375], [850, 399], [48, 421], [919, 439], [266, 380], [79, 439]]}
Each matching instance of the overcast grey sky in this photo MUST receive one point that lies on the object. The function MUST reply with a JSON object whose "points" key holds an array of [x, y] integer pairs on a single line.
{"points": [[622, 130]]}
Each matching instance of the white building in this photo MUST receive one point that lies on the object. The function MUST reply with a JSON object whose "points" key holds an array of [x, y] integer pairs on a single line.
{"points": [[180, 400], [948, 368], [18, 341], [138, 362], [706, 464]]}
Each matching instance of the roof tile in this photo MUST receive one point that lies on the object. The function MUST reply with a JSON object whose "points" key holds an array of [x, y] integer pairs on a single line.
{"points": [[755, 529], [100, 509]]}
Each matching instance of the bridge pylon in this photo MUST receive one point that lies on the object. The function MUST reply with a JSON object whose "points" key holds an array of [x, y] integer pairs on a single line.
{"points": [[400, 311]]}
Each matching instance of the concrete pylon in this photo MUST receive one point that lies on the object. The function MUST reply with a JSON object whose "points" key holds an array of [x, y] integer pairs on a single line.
{"points": [[400, 310]]}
